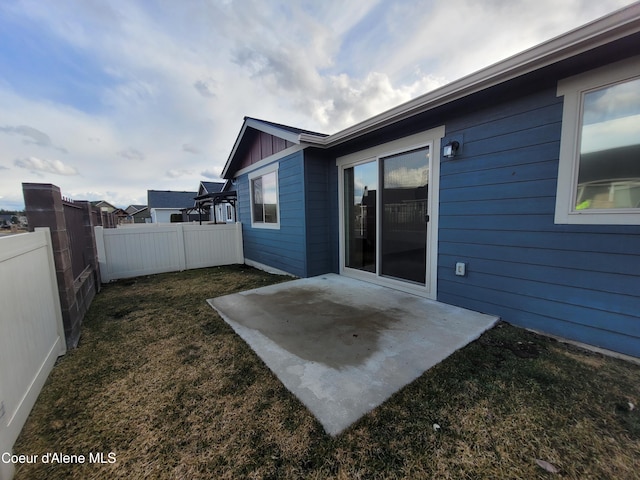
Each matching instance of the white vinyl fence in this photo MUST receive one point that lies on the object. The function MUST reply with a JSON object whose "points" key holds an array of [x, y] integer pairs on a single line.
{"points": [[31, 331], [147, 249]]}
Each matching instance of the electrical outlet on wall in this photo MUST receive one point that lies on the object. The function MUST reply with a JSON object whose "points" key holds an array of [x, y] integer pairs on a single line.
{"points": [[461, 269]]}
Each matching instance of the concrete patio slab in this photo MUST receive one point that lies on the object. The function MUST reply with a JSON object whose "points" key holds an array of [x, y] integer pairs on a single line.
{"points": [[344, 346]]}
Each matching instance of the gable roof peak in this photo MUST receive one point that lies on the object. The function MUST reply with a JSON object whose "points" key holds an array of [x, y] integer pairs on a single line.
{"points": [[288, 128]]}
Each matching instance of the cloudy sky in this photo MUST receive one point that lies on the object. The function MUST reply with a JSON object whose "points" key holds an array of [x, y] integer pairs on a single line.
{"points": [[108, 99]]}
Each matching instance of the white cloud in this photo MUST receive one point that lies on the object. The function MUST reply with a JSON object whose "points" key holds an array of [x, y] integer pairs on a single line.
{"points": [[40, 165], [177, 173], [190, 149], [350, 101], [178, 78], [619, 132], [407, 177], [210, 174], [32, 136], [458, 37], [131, 154], [206, 88]]}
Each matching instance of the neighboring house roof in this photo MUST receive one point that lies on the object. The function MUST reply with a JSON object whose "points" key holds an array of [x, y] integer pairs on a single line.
{"points": [[210, 187], [143, 211], [103, 204], [131, 209], [285, 132], [170, 199]]}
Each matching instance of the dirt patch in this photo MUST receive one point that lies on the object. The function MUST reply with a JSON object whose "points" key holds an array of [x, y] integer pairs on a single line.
{"points": [[584, 357]]}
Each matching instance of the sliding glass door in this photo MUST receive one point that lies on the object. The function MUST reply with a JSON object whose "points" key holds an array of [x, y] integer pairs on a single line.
{"points": [[389, 196], [404, 207], [360, 207], [385, 215]]}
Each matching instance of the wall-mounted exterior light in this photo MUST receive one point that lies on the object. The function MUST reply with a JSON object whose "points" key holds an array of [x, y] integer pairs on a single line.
{"points": [[450, 149]]}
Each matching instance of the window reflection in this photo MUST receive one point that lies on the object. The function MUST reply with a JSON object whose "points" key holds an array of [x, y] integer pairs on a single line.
{"points": [[609, 168], [265, 201], [360, 184]]}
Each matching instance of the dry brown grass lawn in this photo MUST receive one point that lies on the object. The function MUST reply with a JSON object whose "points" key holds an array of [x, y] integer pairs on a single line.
{"points": [[163, 383]]}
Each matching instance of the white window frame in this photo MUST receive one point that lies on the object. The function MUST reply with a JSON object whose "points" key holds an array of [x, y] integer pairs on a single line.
{"points": [[574, 89], [432, 139], [274, 167]]}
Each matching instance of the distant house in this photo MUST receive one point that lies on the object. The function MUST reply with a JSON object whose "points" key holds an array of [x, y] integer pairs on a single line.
{"points": [[132, 214], [132, 209], [164, 203], [120, 215], [103, 206], [513, 191], [138, 214], [216, 202]]}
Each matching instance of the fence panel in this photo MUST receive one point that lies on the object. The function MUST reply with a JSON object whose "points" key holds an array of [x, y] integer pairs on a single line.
{"points": [[210, 245], [32, 330], [149, 249]]}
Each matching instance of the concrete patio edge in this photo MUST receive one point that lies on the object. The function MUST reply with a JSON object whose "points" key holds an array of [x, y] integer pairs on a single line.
{"points": [[344, 346]]}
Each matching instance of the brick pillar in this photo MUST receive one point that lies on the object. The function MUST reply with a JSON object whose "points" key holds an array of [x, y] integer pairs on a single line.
{"points": [[91, 250], [43, 206]]}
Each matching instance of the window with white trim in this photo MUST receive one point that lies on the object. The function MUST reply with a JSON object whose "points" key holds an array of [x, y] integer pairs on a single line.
{"points": [[599, 170], [263, 190]]}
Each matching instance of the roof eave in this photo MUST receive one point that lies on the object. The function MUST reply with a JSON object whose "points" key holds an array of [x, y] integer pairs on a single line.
{"points": [[615, 26]]}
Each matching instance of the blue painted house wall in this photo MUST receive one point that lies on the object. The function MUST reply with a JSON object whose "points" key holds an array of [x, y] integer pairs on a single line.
{"points": [[305, 244], [496, 212], [497, 205], [321, 187], [284, 248]]}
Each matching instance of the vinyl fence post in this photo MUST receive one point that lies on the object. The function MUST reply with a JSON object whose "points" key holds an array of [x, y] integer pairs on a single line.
{"points": [[182, 253], [239, 243], [53, 281], [103, 263]]}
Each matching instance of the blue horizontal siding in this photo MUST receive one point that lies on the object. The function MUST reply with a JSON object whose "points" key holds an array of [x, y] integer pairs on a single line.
{"points": [[575, 259], [322, 247], [282, 248], [552, 325], [509, 206], [528, 189], [590, 243], [587, 280], [533, 223], [529, 102], [536, 296], [497, 205], [502, 176], [607, 322]]}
